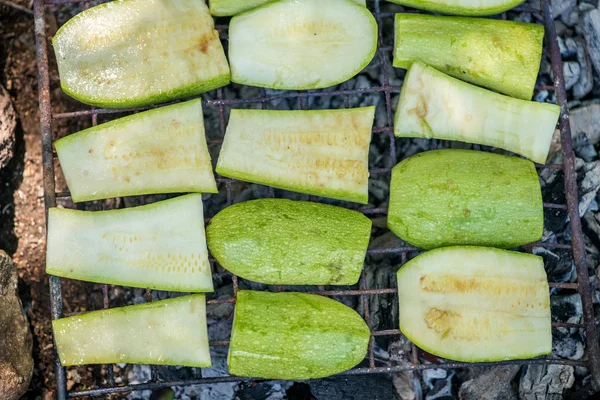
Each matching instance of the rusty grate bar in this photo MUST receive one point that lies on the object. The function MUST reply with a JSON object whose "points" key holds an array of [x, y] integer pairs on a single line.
{"points": [[364, 293]]}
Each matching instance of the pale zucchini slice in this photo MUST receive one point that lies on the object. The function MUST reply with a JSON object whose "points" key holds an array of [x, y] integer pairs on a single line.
{"points": [[301, 44], [462, 7], [158, 151], [319, 152], [500, 55], [168, 332], [294, 336], [285, 242], [480, 199], [435, 105], [476, 304], [157, 246], [128, 53], [226, 8]]}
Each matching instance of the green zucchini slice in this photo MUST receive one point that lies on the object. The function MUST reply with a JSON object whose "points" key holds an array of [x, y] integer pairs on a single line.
{"points": [[480, 199], [462, 7], [500, 55], [319, 152], [157, 246], [168, 332], [227, 8], [301, 44], [285, 242], [129, 53], [158, 151], [435, 105], [294, 336], [476, 304]]}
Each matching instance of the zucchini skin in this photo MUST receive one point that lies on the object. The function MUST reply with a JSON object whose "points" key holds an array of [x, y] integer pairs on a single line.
{"points": [[167, 332], [319, 152], [157, 151], [476, 304], [294, 336], [435, 105], [480, 199], [438, 6], [126, 75], [500, 55], [285, 242], [158, 246]]}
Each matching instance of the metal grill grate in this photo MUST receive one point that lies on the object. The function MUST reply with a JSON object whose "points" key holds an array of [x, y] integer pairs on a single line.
{"points": [[592, 353]]}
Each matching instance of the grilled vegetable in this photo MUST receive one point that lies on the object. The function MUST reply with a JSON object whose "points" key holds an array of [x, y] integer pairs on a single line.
{"points": [[501, 55], [294, 336], [462, 7], [168, 332], [476, 304], [157, 151], [320, 152], [301, 44], [156, 246], [435, 105], [480, 199], [128, 53], [226, 8], [285, 242]]}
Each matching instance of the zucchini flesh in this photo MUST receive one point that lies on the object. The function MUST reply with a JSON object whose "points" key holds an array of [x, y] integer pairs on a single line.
{"points": [[294, 336], [158, 151], [168, 332], [129, 53], [157, 246], [481, 199], [301, 44], [227, 8], [319, 152], [462, 7], [285, 242], [500, 55], [435, 105], [476, 304]]}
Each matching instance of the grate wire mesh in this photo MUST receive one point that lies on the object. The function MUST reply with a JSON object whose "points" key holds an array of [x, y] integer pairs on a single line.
{"points": [[592, 354]]}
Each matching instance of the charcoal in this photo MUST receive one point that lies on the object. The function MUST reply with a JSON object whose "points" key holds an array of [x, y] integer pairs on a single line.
{"points": [[494, 384], [566, 308], [589, 186], [567, 343], [591, 33], [261, 391], [359, 387], [586, 120], [571, 72], [586, 79], [547, 382], [440, 384]]}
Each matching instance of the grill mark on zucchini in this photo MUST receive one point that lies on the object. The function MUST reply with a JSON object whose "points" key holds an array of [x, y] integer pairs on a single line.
{"points": [[501, 287]]}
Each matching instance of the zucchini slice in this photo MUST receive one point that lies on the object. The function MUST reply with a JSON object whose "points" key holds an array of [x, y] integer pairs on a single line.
{"points": [[435, 105], [319, 152], [227, 8], [301, 44], [158, 151], [462, 7], [294, 336], [500, 55], [481, 199], [168, 332], [157, 246], [128, 53], [285, 242], [476, 304]]}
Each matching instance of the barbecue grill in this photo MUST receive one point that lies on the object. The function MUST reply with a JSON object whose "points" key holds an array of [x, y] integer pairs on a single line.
{"points": [[217, 100]]}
